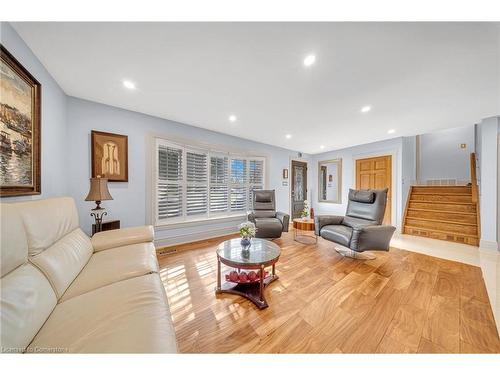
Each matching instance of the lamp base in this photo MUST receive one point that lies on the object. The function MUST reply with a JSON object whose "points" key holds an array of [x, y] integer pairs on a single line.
{"points": [[98, 213]]}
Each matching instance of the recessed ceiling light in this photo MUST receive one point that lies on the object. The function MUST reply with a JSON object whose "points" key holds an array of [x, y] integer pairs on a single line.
{"points": [[233, 118], [322, 147], [288, 136], [366, 108], [309, 60], [391, 131], [129, 84]]}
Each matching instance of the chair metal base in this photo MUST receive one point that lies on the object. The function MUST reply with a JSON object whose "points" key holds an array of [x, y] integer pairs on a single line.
{"points": [[348, 253]]}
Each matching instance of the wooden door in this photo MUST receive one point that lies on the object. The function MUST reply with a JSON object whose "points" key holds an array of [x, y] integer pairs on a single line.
{"points": [[376, 173], [299, 187]]}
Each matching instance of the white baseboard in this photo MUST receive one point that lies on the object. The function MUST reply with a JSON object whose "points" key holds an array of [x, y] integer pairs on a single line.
{"points": [[193, 237], [488, 245]]}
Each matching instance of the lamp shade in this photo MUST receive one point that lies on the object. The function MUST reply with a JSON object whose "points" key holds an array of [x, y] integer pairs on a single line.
{"points": [[99, 190]]}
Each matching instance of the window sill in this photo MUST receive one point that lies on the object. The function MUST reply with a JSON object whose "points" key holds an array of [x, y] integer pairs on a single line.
{"points": [[197, 222]]}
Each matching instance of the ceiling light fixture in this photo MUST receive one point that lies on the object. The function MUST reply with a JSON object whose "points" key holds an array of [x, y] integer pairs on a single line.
{"points": [[233, 118], [391, 131], [322, 147], [366, 108], [288, 136], [309, 60], [129, 84]]}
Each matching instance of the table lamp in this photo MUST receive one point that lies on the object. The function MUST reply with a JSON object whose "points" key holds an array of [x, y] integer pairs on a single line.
{"points": [[98, 192]]}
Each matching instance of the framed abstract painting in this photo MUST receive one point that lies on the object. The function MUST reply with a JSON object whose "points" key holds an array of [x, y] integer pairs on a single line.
{"points": [[20, 106], [109, 156]]}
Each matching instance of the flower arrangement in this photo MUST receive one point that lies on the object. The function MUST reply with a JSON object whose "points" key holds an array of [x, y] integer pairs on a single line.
{"points": [[305, 210], [247, 229]]}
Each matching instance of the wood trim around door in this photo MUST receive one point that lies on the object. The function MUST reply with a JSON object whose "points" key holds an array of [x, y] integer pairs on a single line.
{"points": [[376, 173]]}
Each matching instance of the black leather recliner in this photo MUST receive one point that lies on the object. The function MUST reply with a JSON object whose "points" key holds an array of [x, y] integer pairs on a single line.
{"points": [[269, 223], [361, 228]]}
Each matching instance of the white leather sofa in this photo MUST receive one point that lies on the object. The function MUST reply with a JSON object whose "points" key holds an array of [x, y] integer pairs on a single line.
{"points": [[64, 292]]}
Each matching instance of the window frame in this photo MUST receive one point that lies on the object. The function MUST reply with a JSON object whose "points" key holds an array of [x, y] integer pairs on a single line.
{"points": [[209, 151]]}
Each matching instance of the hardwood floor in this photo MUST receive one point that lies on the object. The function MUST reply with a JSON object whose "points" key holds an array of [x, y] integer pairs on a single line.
{"points": [[401, 302]]}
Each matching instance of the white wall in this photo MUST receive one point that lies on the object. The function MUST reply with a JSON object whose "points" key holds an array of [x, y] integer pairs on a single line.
{"points": [[132, 200], [53, 152], [349, 155], [441, 156], [409, 166], [488, 131]]}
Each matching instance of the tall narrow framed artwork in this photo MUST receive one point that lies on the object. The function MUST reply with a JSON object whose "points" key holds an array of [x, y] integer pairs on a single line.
{"points": [[109, 156], [20, 111]]}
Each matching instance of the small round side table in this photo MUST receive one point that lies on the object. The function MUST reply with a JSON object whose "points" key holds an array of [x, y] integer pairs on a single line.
{"points": [[303, 226]]}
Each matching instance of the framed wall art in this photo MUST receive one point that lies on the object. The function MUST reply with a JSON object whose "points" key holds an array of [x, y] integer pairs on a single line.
{"points": [[109, 156], [20, 106]]}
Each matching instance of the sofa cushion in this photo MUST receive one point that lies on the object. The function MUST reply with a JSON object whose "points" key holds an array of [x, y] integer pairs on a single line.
{"points": [[264, 200], [26, 297], [13, 240], [357, 223], [337, 233], [112, 265], [268, 227], [362, 196], [130, 316], [120, 237], [26, 301], [47, 220], [264, 214], [64, 260]]}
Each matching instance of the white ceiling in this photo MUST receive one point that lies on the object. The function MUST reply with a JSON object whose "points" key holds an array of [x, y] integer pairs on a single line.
{"points": [[417, 77]]}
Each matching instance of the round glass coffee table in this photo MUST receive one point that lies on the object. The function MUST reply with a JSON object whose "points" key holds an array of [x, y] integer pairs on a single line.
{"points": [[257, 256]]}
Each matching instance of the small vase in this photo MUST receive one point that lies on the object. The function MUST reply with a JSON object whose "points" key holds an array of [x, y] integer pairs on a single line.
{"points": [[245, 242]]}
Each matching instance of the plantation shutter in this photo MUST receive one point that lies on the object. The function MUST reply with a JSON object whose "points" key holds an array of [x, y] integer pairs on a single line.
{"points": [[219, 178], [197, 181], [169, 189], [256, 178], [239, 178]]}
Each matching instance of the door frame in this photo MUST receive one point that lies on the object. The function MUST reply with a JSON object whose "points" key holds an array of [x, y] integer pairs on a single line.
{"points": [[394, 180], [290, 205]]}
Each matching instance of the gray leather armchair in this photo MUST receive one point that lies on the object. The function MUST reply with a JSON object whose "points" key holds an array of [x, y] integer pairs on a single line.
{"points": [[269, 223], [361, 228]]}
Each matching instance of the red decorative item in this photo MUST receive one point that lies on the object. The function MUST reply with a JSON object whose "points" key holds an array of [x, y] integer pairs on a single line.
{"points": [[311, 214], [252, 276], [233, 276], [245, 278]]}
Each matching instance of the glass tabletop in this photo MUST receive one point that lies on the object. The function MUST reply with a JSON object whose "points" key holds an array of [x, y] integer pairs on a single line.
{"points": [[260, 251]]}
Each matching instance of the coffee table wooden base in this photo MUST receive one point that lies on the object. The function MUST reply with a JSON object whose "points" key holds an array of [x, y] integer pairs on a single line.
{"points": [[251, 291], [232, 255]]}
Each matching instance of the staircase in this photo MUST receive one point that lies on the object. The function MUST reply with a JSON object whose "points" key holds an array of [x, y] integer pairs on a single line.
{"points": [[444, 213]]}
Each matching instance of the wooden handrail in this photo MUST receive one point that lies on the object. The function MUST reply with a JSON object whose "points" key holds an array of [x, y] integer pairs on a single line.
{"points": [[475, 191], [473, 178]]}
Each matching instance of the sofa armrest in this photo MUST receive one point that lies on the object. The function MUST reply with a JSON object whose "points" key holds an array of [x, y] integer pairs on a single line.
{"points": [[285, 220], [373, 237], [321, 220], [122, 237]]}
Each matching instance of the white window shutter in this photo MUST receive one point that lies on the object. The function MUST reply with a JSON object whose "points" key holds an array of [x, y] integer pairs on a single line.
{"points": [[197, 183], [193, 183], [169, 187], [219, 178]]}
